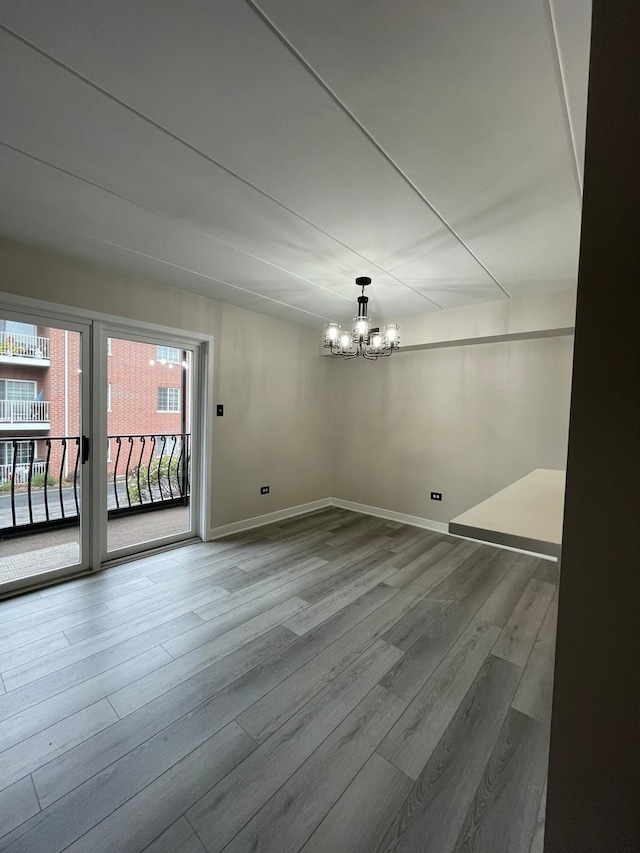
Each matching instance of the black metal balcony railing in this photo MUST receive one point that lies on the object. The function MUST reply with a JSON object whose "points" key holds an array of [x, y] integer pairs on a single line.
{"points": [[148, 471], [145, 472]]}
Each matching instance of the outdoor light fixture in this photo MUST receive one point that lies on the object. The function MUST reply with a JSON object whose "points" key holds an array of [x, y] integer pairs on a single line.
{"points": [[362, 339]]}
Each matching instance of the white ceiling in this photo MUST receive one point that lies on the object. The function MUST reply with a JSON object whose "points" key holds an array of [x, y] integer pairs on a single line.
{"points": [[266, 153]]}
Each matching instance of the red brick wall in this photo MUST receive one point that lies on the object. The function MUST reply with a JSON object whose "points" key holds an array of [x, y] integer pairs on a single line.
{"points": [[51, 381], [64, 408], [64, 373], [134, 389], [134, 381], [135, 374], [21, 372]]}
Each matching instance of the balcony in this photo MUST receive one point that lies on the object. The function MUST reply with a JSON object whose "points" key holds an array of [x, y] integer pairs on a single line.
{"points": [[148, 472], [24, 415], [28, 350], [148, 496]]}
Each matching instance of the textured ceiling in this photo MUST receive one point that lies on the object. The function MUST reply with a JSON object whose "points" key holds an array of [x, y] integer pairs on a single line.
{"points": [[266, 153]]}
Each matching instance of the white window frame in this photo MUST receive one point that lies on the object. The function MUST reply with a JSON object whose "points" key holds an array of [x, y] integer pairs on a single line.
{"points": [[168, 355], [176, 396], [32, 326], [22, 446], [19, 382], [167, 448], [99, 325]]}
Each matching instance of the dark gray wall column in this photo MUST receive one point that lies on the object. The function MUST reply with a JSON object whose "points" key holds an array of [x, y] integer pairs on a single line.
{"points": [[593, 800]]}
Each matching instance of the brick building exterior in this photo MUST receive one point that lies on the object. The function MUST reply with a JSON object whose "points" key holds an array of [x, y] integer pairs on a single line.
{"points": [[145, 396], [61, 386], [135, 372], [40, 397]]}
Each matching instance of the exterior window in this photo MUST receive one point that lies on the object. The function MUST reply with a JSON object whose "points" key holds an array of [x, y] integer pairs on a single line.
{"points": [[168, 399], [22, 339], [11, 327], [21, 450], [167, 446], [169, 354], [19, 471], [18, 401], [108, 396], [109, 350], [12, 389]]}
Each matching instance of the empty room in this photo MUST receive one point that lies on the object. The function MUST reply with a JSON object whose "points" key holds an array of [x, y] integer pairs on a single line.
{"points": [[304, 366]]}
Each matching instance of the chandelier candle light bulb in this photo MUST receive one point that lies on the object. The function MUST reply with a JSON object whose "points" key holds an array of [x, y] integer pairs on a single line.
{"points": [[362, 339], [362, 326], [332, 331]]}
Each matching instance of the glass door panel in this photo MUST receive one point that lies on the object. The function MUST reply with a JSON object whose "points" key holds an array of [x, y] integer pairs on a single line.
{"points": [[42, 449], [148, 454]]}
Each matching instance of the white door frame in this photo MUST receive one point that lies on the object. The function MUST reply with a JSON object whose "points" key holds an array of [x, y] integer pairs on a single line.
{"points": [[96, 413], [103, 331], [41, 317]]}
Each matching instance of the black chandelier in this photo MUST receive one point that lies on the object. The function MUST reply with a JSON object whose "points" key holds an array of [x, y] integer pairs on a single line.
{"points": [[362, 339]]}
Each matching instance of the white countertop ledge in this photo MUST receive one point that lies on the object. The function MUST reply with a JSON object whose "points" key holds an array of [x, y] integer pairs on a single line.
{"points": [[525, 515]]}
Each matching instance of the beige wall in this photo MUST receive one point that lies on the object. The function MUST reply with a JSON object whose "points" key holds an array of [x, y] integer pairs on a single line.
{"points": [[527, 315], [462, 420], [274, 430], [266, 371], [465, 420]]}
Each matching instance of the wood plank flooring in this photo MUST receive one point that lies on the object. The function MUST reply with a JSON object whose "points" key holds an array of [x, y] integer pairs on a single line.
{"points": [[332, 683]]}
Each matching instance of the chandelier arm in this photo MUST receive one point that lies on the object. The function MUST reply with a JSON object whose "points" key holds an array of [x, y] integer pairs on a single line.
{"points": [[381, 353]]}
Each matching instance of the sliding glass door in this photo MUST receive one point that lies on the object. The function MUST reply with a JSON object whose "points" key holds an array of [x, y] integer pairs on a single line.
{"points": [[44, 447], [99, 444], [149, 448]]}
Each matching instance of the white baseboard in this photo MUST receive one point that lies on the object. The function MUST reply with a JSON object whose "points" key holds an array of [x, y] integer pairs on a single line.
{"points": [[390, 515], [379, 512], [268, 518], [429, 524]]}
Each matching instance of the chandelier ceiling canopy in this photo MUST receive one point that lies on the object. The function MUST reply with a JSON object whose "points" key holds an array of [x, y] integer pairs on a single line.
{"points": [[362, 338]]}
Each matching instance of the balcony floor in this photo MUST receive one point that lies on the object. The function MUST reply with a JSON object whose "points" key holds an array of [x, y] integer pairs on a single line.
{"points": [[24, 556]]}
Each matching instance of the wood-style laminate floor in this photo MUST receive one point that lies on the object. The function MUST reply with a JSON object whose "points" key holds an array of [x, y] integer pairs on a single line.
{"points": [[333, 683]]}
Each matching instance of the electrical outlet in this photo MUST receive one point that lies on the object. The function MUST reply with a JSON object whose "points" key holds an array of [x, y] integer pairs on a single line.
{"points": [[436, 496], [264, 490], [219, 410]]}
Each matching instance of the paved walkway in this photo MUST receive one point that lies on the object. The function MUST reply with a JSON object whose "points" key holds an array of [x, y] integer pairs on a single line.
{"points": [[18, 566], [24, 556]]}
